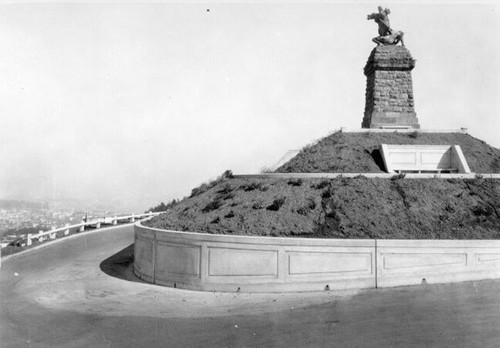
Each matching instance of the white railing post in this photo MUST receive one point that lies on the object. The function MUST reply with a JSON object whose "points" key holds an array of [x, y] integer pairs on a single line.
{"points": [[52, 235], [40, 238]]}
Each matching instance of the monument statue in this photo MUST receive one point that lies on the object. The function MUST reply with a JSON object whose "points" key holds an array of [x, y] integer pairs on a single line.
{"points": [[382, 19], [387, 36], [389, 88], [393, 39]]}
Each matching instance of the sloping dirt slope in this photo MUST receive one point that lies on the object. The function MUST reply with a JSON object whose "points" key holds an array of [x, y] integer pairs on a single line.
{"points": [[341, 208], [358, 152]]}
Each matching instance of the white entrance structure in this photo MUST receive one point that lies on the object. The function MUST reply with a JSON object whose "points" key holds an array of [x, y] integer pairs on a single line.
{"points": [[424, 159]]}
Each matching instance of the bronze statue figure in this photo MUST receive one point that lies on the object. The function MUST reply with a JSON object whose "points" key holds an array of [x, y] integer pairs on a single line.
{"points": [[387, 36], [392, 39], [382, 19]]}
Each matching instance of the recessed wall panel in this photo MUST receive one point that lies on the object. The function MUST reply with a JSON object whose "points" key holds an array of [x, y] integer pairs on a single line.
{"points": [[178, 259], [325, 262], [143, 254], [487, 257], [241, 262], [412, 260], [403, 158]]}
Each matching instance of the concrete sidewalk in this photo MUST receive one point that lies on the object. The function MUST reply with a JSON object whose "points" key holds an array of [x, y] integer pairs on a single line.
{"points": [[81, 292]]}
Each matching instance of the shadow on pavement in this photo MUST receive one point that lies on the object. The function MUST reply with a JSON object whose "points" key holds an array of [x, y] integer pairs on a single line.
{"points": [[121, 265]]}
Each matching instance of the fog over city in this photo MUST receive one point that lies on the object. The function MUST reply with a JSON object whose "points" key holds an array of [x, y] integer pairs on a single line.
{"points": [[136, 103]]}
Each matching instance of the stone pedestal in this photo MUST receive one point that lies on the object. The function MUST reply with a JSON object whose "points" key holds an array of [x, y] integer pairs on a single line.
{"points": [[389, 90]]}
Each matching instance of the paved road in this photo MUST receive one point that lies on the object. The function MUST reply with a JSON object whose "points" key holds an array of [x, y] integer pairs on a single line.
{"points": [[80, 292]]}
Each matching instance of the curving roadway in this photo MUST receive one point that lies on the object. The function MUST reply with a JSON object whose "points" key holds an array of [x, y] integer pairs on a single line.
{"points": [[80, 292]]}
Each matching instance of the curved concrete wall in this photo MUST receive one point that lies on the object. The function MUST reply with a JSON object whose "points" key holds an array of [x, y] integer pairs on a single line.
{"points": [[200, 261], [366, 175], [408, 262], [208, 262]]}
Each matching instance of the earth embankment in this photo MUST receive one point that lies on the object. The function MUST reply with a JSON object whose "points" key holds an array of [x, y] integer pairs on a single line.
{"points": [[341, 208], [359, 152]]}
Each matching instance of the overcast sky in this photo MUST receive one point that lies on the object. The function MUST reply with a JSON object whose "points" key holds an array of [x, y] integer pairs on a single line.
{"points": [[140, 102]]}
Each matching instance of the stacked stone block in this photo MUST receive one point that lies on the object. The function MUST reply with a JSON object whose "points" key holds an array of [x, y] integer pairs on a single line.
{"points": [[389, 89]]}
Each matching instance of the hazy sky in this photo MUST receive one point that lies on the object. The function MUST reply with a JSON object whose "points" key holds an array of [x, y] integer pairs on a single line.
{"points": [[140, 102]]}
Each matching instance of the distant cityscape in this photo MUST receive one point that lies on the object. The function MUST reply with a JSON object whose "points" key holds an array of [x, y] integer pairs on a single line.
{"points": [[21, 217]]}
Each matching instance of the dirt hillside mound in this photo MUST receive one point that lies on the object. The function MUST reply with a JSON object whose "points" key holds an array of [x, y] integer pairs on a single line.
{"points": [[358, 152], [341, 207]]}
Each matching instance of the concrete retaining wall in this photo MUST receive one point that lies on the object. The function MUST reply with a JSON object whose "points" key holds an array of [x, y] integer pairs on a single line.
{"points": [[407, 262], [366, 175], [208, 262]]}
